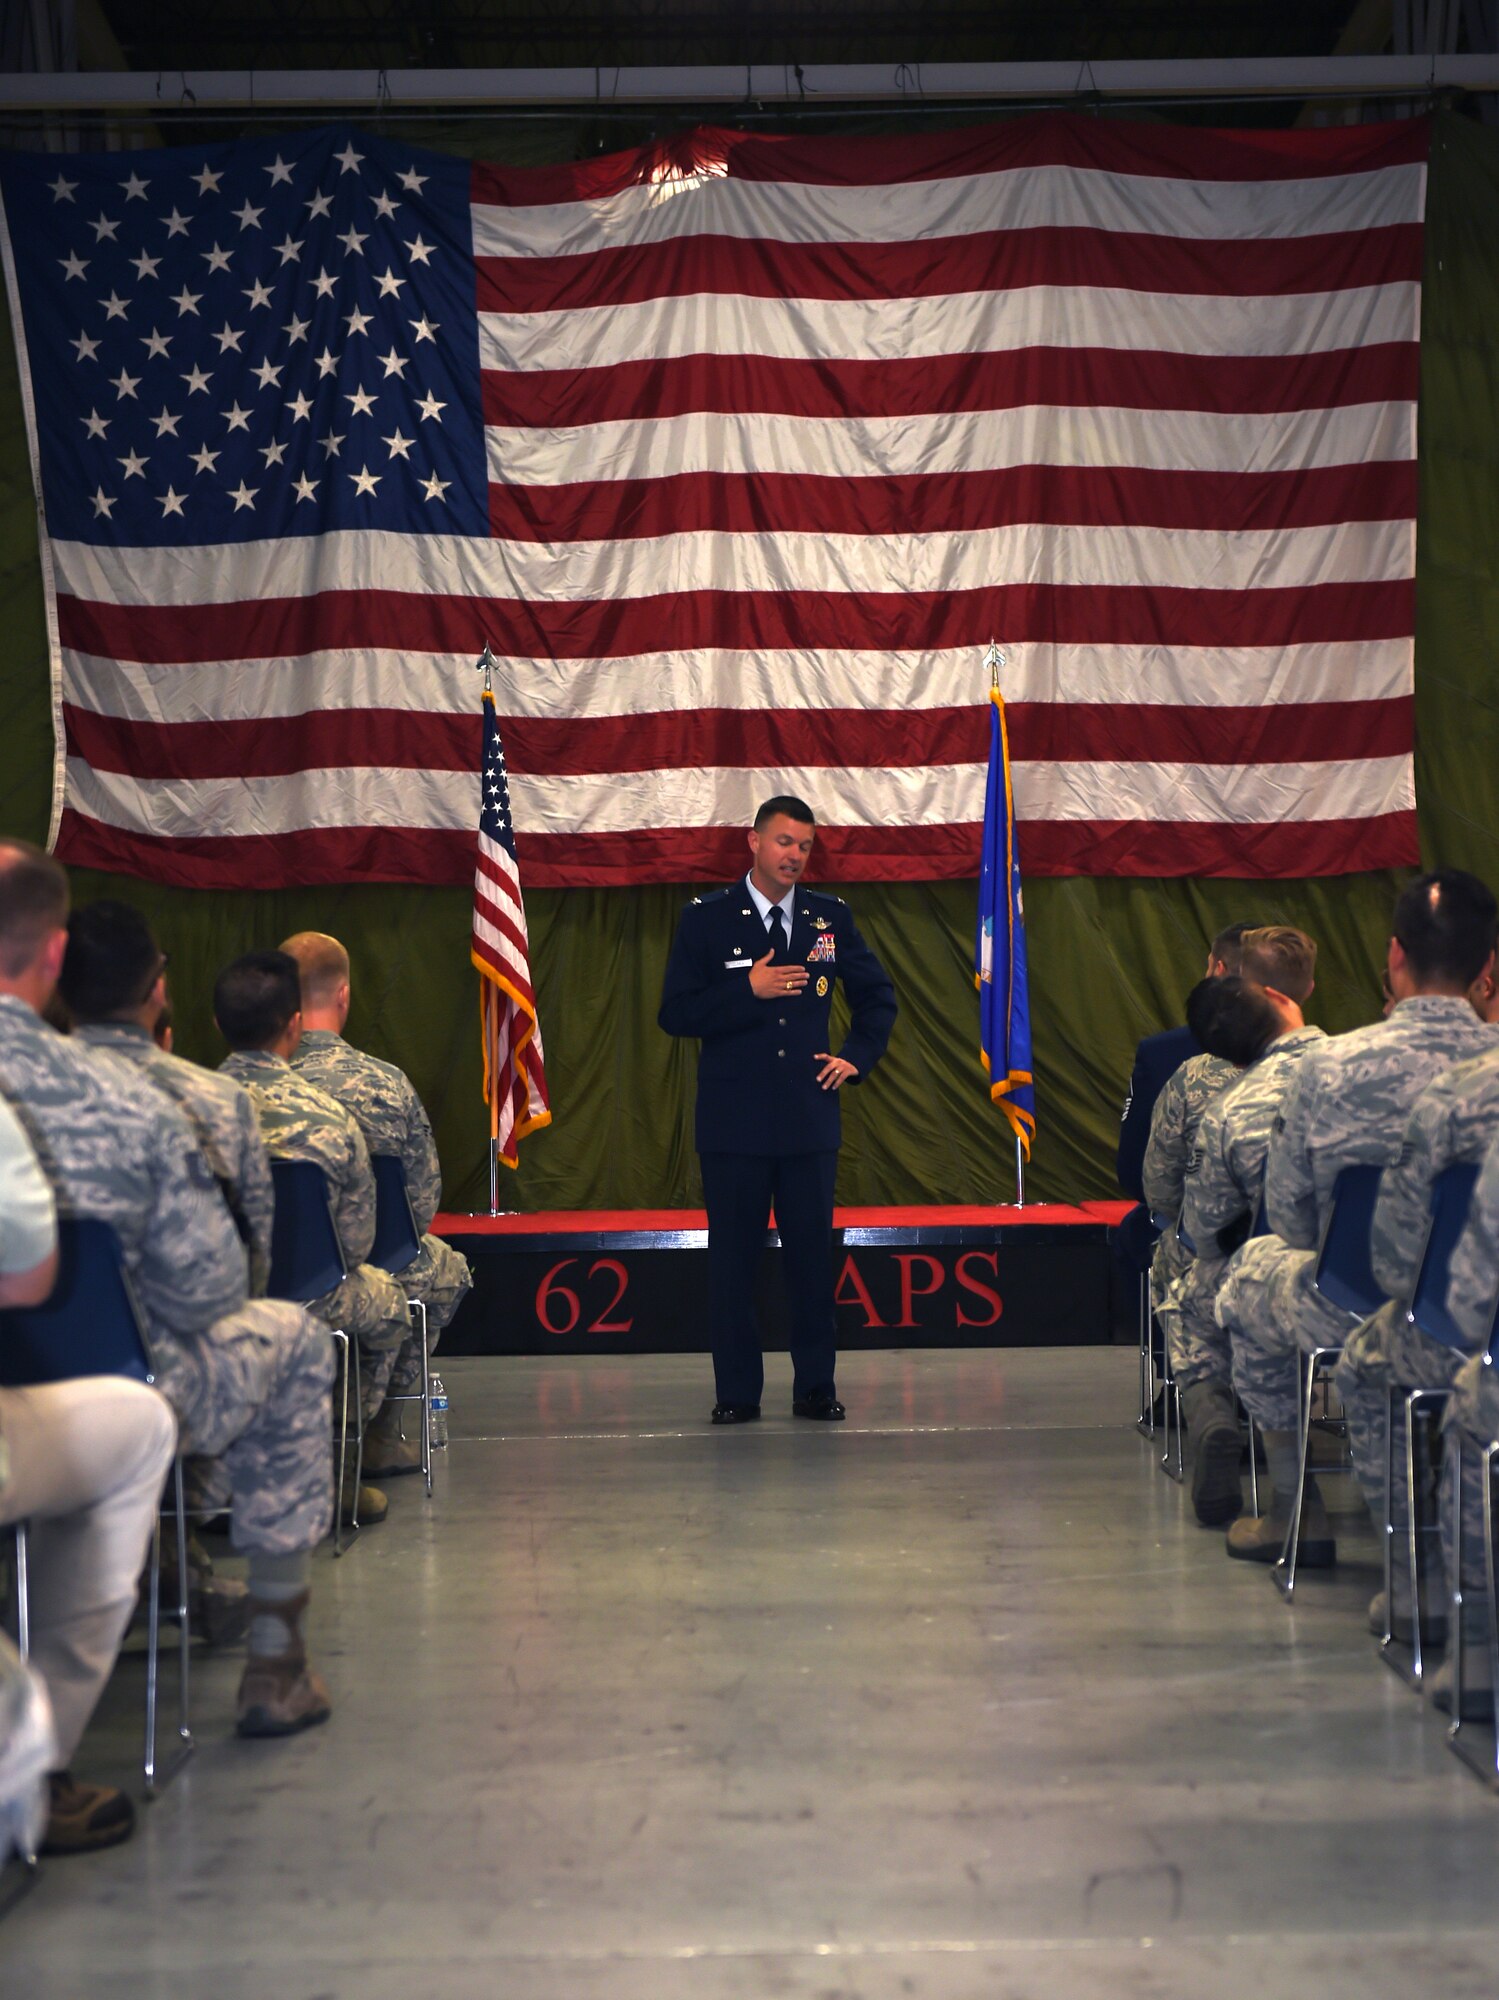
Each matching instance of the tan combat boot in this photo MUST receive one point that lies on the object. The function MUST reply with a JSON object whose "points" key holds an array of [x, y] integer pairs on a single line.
{"points": [[279, 1693], [372, 1505], [1262, 1539], [388, 1452]]}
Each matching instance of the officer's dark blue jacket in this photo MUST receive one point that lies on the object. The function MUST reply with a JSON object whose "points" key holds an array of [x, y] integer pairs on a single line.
{"points": [[1157, 1058], [757, 1088]]}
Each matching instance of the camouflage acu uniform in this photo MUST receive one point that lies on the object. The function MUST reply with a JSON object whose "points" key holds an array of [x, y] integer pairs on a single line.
{"points": [[300, 1122], [393, 1120], [1473, 1412], [1184, 1097], [1454, 1118], [1347, 1106], [1222, 1188], [250, 1380], [222, 1116]]}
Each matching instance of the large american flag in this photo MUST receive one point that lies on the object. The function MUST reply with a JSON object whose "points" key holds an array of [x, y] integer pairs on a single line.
{"points": [[514, 1073], [739, 449]]}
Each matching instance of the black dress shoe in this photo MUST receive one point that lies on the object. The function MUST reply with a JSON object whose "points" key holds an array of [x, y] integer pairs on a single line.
{"points": [[736, 1413], [824, 1406]]}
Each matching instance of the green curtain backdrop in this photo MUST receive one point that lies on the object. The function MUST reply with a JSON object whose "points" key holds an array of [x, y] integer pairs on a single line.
{"points": [[1110, 960]]}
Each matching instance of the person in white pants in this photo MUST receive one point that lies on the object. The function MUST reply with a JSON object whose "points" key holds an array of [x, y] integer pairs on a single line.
{"points": [[83, 1463]]}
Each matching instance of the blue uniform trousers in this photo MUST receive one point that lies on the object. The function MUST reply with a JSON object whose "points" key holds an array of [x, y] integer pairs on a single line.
{"points": [[739, 1189]]}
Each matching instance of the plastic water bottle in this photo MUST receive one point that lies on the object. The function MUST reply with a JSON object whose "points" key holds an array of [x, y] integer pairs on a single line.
{"points": [[439, 1414]]}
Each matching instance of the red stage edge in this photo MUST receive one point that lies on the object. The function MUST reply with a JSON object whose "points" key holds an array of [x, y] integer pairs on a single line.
{"points": [[634, 1281]]}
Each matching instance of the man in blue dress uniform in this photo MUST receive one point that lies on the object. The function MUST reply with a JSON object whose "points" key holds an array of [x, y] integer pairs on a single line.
{"points": [[751, 975]]}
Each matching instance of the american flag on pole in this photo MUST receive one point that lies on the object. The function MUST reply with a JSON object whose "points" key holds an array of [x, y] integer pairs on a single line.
{"points": [[515, 1080], [737, 447]]}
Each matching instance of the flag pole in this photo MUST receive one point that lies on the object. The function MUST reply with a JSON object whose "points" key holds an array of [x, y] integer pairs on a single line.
{"points": [[995, 660], [486, 665]]}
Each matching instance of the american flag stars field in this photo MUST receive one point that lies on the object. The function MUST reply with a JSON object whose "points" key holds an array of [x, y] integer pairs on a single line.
{"points": [[248, 344]]}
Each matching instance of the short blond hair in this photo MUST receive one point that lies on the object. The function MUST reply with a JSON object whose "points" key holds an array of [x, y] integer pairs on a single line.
{"points": [[323, 964]]}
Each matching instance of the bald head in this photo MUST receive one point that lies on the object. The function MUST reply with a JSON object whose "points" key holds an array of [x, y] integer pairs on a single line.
{"points": [[33, 913], [324, 968]]}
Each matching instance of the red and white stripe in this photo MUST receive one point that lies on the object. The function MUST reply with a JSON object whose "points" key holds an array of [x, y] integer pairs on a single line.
{"points": [[514, 1069], [780, 433]]}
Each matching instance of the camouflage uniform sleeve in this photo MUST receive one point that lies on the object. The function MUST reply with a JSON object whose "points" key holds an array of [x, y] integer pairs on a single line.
{"points": [[1474, 1274], [1290, 1191], [419, 1158], [1404, 1204], [192, 1267], [354, 1200], [1212, 1198], [1165, 1167], [257, 1193]]}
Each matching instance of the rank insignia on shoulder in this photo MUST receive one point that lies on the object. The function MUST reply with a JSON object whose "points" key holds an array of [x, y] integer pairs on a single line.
{"points": [[822, 987]]}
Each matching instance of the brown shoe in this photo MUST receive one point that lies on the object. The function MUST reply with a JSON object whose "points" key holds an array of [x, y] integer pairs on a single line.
{"points": [[1262, 1538], [372, 1510], [85, 1817], [387, 1455], [279, 1693]]}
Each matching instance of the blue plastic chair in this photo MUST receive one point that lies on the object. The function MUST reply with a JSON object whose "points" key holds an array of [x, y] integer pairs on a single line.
{"points": [[1451, 1192], [307, 1259], [307, 1262], [91, 1324], [1343, 1275], [397, 1245]]}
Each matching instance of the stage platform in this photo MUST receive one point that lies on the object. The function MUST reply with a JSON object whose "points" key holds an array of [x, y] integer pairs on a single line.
{"points": [[634, 1281]]}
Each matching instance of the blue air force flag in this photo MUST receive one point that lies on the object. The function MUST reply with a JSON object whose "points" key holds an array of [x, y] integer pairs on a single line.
{"points": [[999, 960]]}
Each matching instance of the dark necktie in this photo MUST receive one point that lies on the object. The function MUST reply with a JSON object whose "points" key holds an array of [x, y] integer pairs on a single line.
{"points": [[775, 926]]}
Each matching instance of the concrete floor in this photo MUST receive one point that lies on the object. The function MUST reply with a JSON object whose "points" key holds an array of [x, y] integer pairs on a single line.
{"points": [[951, 1700]]}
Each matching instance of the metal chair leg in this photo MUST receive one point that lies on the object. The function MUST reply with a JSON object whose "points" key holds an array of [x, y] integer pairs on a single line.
{"points": [[1458, 1653], [1387, 1638], [26, 1855], [1491, 1451], [419, 1307], [1284, 1571], [1173, 1457], [153, 1777], [357, 1370], [1413, 1400], [23, 1592], [153, 1642], [1145, 1422], [341, 1339], [1254, 1469], [184, 1636]]}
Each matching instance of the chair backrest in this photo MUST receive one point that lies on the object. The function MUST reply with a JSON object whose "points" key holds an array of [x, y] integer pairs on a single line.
{"points": [[1344, 1274], [1451, 1193], [307, 1258], [397, 1238], [91, 1324]]}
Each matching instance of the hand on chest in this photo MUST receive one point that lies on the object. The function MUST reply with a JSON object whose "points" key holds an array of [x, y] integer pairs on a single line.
{"points": [[813, 944]]}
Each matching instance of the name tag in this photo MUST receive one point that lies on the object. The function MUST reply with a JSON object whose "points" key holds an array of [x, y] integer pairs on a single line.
{"points": [[737, 964]]}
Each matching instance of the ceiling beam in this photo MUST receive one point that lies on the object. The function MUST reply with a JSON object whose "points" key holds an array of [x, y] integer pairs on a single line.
{"points": [[370, 91]]}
